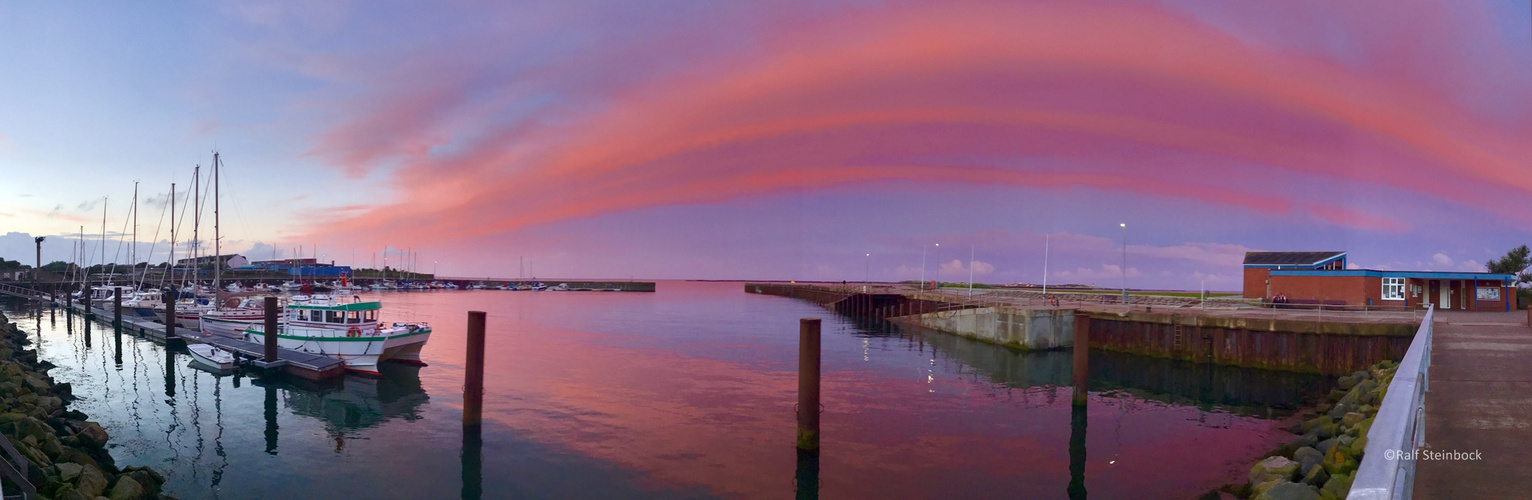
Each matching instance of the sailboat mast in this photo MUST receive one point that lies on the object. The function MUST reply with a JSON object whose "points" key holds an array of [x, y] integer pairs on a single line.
{"points": [[170, 262], [133, 250], [103, 233], [217, 250], [196, 225]]}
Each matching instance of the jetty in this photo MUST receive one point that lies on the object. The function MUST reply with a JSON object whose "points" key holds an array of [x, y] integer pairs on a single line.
{"points": [[302, 364]]}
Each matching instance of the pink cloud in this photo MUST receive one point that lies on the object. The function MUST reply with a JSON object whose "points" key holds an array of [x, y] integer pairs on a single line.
{"points": [[912, 95]]}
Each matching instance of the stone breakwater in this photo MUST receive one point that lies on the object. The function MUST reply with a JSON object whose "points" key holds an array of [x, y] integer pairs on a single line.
{"points": [[1322, 461], [66, 453]]}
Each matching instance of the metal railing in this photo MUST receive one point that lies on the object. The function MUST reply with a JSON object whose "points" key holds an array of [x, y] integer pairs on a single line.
{"points": [[1399, 428]]}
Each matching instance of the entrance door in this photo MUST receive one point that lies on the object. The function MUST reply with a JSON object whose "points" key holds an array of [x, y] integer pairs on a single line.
{"points": [[1446, 294]]}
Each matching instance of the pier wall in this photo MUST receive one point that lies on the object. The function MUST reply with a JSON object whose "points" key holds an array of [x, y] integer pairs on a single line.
{"points": [[1301, 346], [1014, 327]]}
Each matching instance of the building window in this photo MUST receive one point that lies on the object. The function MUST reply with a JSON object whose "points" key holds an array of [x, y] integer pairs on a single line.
{"points": [[1393, 288]]}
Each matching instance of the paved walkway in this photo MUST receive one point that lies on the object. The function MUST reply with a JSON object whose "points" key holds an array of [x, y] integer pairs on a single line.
{"points": [[1480, 399]]}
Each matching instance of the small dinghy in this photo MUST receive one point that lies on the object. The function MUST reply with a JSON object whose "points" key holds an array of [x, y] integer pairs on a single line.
{"points": [[212, 357]]}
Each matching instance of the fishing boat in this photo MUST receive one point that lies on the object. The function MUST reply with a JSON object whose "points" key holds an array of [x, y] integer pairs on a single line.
{"points": [[211, 357], [348, 331], [188, 312]]}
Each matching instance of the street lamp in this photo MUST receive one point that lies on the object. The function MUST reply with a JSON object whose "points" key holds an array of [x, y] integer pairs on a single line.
{"points": [[938, 273], [866, 270], [433, 269], [1124, 263]]}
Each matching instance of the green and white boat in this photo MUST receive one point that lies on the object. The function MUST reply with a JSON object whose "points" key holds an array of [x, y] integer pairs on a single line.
{"points": [[349, 332]]}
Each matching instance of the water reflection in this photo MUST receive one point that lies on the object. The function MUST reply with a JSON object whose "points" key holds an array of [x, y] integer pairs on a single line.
{"points": [[671, 395], [1237, 390], [473, 462], [1077, 419], [806, 480]]}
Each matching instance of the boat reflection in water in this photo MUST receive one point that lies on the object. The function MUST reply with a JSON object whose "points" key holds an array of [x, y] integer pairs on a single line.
{"points": [[348, 403]]}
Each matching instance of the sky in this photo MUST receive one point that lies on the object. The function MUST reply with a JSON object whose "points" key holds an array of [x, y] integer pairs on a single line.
{"points": [[809, 140]]}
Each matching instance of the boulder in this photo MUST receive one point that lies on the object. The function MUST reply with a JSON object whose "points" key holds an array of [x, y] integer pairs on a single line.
{"points": [[1307, 457], [1338, 460], [1290, 491], [1347, 382], [1329, 430], [1351, 419], [68, 471], [1309, 439], [94, 434], [1338, 485], [1316, 476], [1273, 468], [1314, 423], [92, 481], [127, 489], [1261, 489], [1357, 447]]}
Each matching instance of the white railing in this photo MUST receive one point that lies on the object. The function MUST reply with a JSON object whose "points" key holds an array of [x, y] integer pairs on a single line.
{"points": [[1399, 428]]}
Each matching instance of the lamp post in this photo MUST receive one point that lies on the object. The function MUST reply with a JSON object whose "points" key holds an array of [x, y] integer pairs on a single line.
{"points": [[433, 269], [938, 273], [866, 271], [922, 268], [1124, 263]]}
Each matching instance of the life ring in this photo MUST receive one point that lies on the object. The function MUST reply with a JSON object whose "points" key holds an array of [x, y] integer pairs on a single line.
{"points": [[354, 332]]}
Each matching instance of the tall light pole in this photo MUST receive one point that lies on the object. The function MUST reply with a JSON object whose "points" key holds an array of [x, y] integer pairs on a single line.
{"points": [[433, 269], [866, 271], [970, 270], [1124, 263]]}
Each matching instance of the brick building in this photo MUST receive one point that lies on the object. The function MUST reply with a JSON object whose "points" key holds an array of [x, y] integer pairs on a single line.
{"points": [[1322, 278]]}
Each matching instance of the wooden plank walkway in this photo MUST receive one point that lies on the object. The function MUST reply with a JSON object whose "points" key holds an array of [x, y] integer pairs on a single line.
{"points": [[1480, 400]]}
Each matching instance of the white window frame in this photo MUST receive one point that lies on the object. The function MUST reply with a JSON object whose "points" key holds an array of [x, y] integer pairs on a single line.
{"points": [[1393, 288]]}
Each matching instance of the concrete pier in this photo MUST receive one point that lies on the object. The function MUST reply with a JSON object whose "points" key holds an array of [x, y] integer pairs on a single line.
{"points": [[1234, 333], [1480, 401]]}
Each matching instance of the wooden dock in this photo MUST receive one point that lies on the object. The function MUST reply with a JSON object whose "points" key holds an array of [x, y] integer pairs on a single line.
{"points": [[302, 364]]}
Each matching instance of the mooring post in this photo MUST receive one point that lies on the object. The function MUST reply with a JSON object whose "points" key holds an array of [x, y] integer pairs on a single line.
{"points": [[85, 299], [473, 383], [117, 309], [1081, 358], [271, 330], [808, 384], [170, 320]]}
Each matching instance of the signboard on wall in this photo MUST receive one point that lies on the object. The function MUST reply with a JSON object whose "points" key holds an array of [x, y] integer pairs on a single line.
{"points": [[1489, 293]]}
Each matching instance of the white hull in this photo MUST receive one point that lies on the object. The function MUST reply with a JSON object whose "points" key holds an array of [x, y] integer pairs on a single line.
{"points": [[405, 346], [211, 357], [230, 322], [360, 353]]}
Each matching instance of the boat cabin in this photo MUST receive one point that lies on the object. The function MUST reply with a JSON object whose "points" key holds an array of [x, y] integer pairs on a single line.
{"points": [[323, 309]]}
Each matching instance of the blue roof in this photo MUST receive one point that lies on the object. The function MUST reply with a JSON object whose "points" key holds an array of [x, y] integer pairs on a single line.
{"points": [[1430, 275]]}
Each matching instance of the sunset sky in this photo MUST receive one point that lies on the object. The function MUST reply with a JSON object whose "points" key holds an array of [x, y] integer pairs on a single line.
{"points": [[783, 139]]}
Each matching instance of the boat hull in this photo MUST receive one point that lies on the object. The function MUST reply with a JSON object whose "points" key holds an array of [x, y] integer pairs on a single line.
{"points": [[405, 347], [360, 353], [230, 323]]}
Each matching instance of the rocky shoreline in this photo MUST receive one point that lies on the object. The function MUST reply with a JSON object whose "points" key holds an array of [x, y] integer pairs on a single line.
{"points": [[66, 453], [1322, 461]]}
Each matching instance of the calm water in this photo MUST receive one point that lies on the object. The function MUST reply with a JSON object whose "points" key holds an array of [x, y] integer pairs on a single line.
{"points": [[683, 393]]}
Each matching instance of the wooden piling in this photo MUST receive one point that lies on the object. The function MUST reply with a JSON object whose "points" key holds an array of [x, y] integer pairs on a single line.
{"points": [[808, 384], [170, 320], [117, 308], [271, 330], [1081, 358], [473, 383], [85, 299]]}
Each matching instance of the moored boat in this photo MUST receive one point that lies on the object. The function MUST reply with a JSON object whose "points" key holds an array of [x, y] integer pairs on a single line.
{"points": [[348, 331], [211, 357]]}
